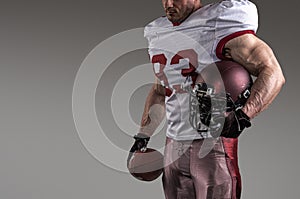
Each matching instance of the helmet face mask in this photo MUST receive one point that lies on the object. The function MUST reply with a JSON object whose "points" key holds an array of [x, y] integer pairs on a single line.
{"points": [[205, 107]]}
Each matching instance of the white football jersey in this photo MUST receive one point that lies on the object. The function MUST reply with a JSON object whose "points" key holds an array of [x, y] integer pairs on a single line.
{"points": [[178, 50]]}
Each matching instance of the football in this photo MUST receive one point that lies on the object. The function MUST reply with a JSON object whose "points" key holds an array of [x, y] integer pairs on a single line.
{"points": [[146, 166]]}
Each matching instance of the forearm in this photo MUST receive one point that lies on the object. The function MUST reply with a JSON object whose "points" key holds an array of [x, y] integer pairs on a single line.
{"points": [[154, 110], [258, 58], [264, 90]]}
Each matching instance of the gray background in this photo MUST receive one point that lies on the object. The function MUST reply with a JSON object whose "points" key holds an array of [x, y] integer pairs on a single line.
{"points": [[43, 44]]}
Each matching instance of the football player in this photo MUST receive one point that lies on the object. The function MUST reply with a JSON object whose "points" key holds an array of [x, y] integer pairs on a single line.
{"points": [[190, 37]]}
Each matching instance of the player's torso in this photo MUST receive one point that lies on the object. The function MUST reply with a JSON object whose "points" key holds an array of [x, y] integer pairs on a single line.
{"points": [[177, 52]]}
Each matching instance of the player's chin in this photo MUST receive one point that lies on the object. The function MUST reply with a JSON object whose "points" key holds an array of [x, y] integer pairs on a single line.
{"points": [[173, 18], [175, 21]]}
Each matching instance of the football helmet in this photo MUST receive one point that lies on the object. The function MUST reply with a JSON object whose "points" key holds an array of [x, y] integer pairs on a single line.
{"points": [[219, 93]]}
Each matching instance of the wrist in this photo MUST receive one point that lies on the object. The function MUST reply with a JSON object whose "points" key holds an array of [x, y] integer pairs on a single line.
{"points": [[247, 113], [141, 136]]}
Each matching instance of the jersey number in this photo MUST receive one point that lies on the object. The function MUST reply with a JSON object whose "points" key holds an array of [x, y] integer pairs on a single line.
{"points": [[185, 72]]}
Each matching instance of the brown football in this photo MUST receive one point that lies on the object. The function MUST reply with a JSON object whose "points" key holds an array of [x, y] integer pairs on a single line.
{"points": [[146, 166]]}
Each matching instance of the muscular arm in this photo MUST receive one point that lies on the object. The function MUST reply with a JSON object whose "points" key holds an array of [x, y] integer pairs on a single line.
{"points": [[154, 110], [258, 58]]}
